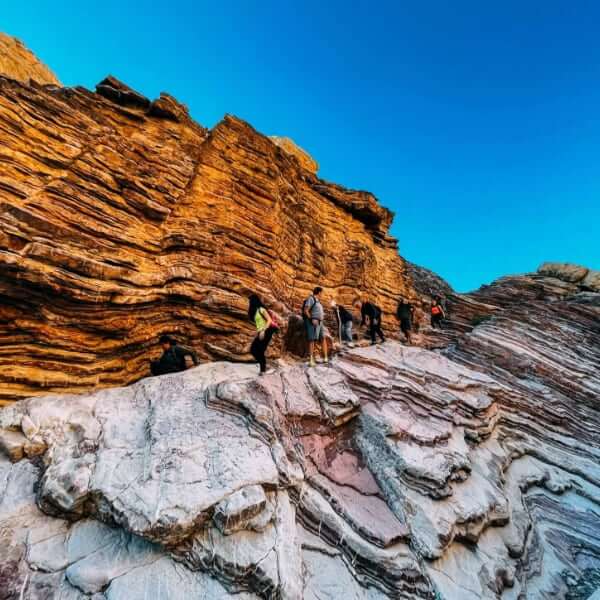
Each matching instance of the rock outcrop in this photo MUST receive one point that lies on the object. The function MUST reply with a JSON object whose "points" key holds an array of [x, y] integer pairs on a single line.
{"points": [[305, 159], [398, 472], [18, 62], [122, 219], [466, 467]]}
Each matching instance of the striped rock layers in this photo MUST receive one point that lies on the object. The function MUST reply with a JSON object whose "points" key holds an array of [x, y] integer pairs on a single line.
{"points": [[122, 219], [465, 473]]}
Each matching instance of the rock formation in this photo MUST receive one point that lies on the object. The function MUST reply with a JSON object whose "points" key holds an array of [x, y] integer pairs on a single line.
{"points": [[398, 472], [122, 219], [305, 159], [466, 467], [18, 62]]}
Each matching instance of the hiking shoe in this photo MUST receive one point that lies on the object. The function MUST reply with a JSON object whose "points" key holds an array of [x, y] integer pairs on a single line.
{"points": [[325, 361], [311, 363], [267, 372]]}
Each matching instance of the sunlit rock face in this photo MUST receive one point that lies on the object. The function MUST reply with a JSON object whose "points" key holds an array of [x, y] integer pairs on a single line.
{"points": [[19, 63], [122, 219], [464, 467], [466, 472], [305, 159]]}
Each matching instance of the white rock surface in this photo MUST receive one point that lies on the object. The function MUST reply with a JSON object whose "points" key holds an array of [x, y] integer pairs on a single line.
{"points": [[397, 472]]}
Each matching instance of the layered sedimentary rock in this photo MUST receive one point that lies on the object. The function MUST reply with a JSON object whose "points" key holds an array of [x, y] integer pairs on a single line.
{"points": [[122, 219], [467, 472], [305, 159], [18, 62], [465, 467]]}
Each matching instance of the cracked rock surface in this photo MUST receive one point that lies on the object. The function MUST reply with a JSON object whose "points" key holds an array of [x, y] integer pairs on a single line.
{"points": [[397, 472]]}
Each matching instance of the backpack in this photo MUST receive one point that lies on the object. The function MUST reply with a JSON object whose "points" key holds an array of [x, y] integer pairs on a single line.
{"points": [[274, 319], [403, 311], [304, 317], [436, 309]]}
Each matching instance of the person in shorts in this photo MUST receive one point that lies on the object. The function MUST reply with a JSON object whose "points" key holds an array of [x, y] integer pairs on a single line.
{"points": [[314, 314]]}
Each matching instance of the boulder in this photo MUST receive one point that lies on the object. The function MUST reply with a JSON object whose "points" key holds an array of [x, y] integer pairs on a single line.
{"points": [[166, 107], [564, 271], [592, 281], [113, 89]]}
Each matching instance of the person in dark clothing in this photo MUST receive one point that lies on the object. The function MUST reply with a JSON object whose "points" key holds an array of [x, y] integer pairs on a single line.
{"points": [[344, 320], [371, 316], [173, 357], [437, 313], [405, 315], [265, 328]]}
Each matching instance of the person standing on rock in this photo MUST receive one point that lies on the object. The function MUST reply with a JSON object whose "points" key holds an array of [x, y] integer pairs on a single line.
{"points": [[405, 314], [265, 328], [437, 313], [344, 320], [313, 313], [173, 357], [371, 317]]}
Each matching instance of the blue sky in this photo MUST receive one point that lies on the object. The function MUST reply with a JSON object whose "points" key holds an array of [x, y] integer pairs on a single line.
{"points": [[477, 123]]}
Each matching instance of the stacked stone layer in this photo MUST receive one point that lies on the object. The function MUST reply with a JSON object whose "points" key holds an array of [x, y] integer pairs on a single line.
{"points": [[398, 472], [122, 219]]}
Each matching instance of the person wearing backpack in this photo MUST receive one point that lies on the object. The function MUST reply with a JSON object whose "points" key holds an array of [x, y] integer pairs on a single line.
{"points": [[266, 325], [313, 315], [405, 313], [437, 313], [371, 317], [173, 357]]}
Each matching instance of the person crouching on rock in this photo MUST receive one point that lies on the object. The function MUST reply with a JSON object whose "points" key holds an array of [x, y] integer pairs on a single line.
{"points": [[173, 357], [405, 314], [265, 327], [437, 313], [314, 314]]}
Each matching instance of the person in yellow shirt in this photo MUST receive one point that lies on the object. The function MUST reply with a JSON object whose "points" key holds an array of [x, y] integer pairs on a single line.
{"points": [[265, 328]]}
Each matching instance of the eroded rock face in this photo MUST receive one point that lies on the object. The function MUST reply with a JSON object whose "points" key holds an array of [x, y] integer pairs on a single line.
{"points": [[122, 219], [303, 157], [397, 472], [18, 62]]}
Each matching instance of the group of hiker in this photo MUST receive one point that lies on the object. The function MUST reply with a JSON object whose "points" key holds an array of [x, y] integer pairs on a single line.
{"points": [[313, 316], [266, 323]]}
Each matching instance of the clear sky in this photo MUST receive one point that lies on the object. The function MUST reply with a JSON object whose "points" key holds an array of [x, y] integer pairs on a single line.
{"points": [[477, 123]]}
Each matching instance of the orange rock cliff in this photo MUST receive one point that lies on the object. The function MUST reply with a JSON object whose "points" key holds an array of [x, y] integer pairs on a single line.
{"points": [[123, 219]]}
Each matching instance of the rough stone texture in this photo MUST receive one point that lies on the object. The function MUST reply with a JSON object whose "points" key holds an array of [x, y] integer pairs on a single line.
{"points": [[464, 468], [18, 62], [122, 219], [564, 271], [466, 472], [592, 280], [304, 158]]}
